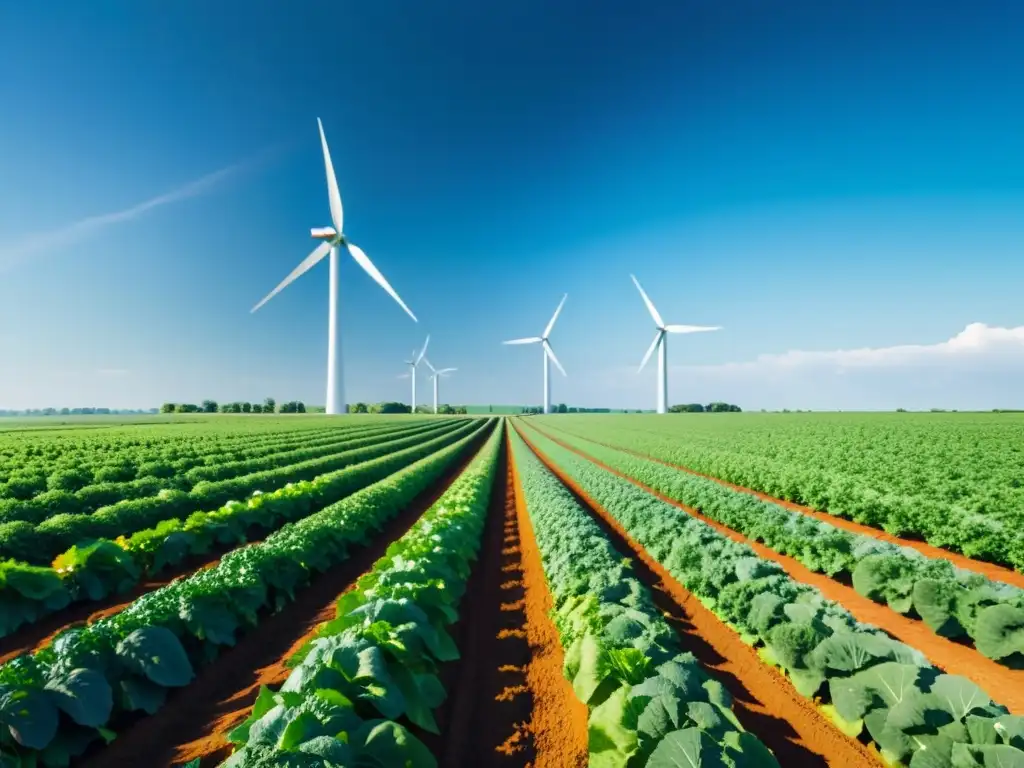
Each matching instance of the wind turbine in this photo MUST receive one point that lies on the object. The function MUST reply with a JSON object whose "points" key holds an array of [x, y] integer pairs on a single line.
{"points": [[548, 353], [437, 375], [661, 342], [333, 238], [412, 363]]}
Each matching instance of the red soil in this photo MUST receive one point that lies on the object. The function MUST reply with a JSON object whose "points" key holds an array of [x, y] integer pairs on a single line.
{"points": [[558, 722], [196, 719], [991, 570], [764, 701], [485, 720], [1004, 685]]}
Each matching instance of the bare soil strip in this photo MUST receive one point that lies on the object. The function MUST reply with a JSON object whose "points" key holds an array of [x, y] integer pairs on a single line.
{"points": [[991, 570], [1004, 685], [558, 723], [196, 719], [484, 721], [764, 701]]}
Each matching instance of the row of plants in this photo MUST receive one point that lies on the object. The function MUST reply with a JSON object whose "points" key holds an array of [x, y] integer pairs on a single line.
{"points": [[957, 487], [649, 704], [953, 602], [59, 700], [871, 686], [376, 663], [92, 570], [89, 498], [39, 544], [32, 458]]}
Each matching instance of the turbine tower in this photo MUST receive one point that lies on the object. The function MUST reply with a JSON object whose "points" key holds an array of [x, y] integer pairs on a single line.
{"points": [[333, 238], [437, 375], [661, 342], [548, 353], [412, 362]]}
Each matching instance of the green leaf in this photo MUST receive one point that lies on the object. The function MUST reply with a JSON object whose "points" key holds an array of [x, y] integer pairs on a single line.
{"points": [[687, 748], [85, 695], [156, 653], [378, 685], [389, 745], [999, 631], [265, 701], [209, 619], [300, 729], [747, 751], [612, 731], [31, 717], [328, 748], [142, 694], [959, 695]]}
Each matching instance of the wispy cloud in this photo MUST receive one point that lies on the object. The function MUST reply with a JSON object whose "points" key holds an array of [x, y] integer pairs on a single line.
{"points": [[41, 242]]}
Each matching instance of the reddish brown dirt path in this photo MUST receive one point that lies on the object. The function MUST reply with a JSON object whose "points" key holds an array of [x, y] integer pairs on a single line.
{"points": [[991, 570], [1004, 685], [196, 719], [39, 634], [485, 720], [763, 699], [558, 722]]}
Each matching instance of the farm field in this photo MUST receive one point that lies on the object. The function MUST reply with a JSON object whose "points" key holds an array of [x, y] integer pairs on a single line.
{"points": [[549, 591]]}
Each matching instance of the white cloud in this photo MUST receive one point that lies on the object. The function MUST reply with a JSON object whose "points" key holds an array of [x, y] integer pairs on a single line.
{"points": [[45, 241], [977, 343]]}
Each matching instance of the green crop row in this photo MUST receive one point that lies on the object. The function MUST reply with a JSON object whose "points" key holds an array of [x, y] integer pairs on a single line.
{"points": [[92, 570], [953, 602], [955, 482], [56, 702], [872, 685], [91, 497], [378, 660], [650, 705], [40, 544]]}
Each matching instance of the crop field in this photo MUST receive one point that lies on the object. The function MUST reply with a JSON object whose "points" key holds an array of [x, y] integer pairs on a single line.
{"points": [[560, 591]]}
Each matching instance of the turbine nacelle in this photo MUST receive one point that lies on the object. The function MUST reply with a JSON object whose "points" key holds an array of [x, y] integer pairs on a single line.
{"points": [[330, 234]]}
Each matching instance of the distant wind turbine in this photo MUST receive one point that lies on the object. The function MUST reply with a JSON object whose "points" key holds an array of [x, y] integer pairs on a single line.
{"points": [[661, 342], [333, 238], [437, 375], [412, 362], [548, 353]]}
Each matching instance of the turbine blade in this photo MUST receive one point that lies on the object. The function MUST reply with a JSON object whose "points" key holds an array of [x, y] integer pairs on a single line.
{"points": [[650, 304], [650, 350], [551, 353], [446, 370], [403, 375], [531, 340], [422, 351], [429, 365], [304, 266], [363, 261], [691, 328], [337, 214], [547, 331]]}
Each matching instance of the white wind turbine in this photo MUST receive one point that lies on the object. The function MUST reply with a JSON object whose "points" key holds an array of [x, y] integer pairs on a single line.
{"points": [[548, 353], [661, 342], [437, 375], [333, 238], [412, 362]]}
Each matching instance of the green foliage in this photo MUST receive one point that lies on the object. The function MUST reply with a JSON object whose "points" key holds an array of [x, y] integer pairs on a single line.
{"points": [[650, 704], [873, 685]]}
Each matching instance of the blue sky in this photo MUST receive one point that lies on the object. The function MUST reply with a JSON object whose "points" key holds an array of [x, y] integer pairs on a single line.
{"points": [[814, 179]]}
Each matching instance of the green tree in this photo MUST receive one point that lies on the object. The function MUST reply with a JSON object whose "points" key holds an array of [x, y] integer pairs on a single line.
{"points": [[562, 408], [360, 408], [269, 405], [209, 406], [246, 407], [169, 408], [257, 408]]}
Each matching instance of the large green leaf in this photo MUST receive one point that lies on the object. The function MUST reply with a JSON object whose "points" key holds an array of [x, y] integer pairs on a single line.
{"points": [[141, 694], [384, 744], [85, 695], [999, 631], [612, 731], [988, 756], [687, 748], [156, 653], [959, 695], [30, 715]]}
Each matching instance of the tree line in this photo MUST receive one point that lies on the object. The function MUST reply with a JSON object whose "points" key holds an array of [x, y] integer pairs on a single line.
{"points": [[269, 405], [682, 408]]}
